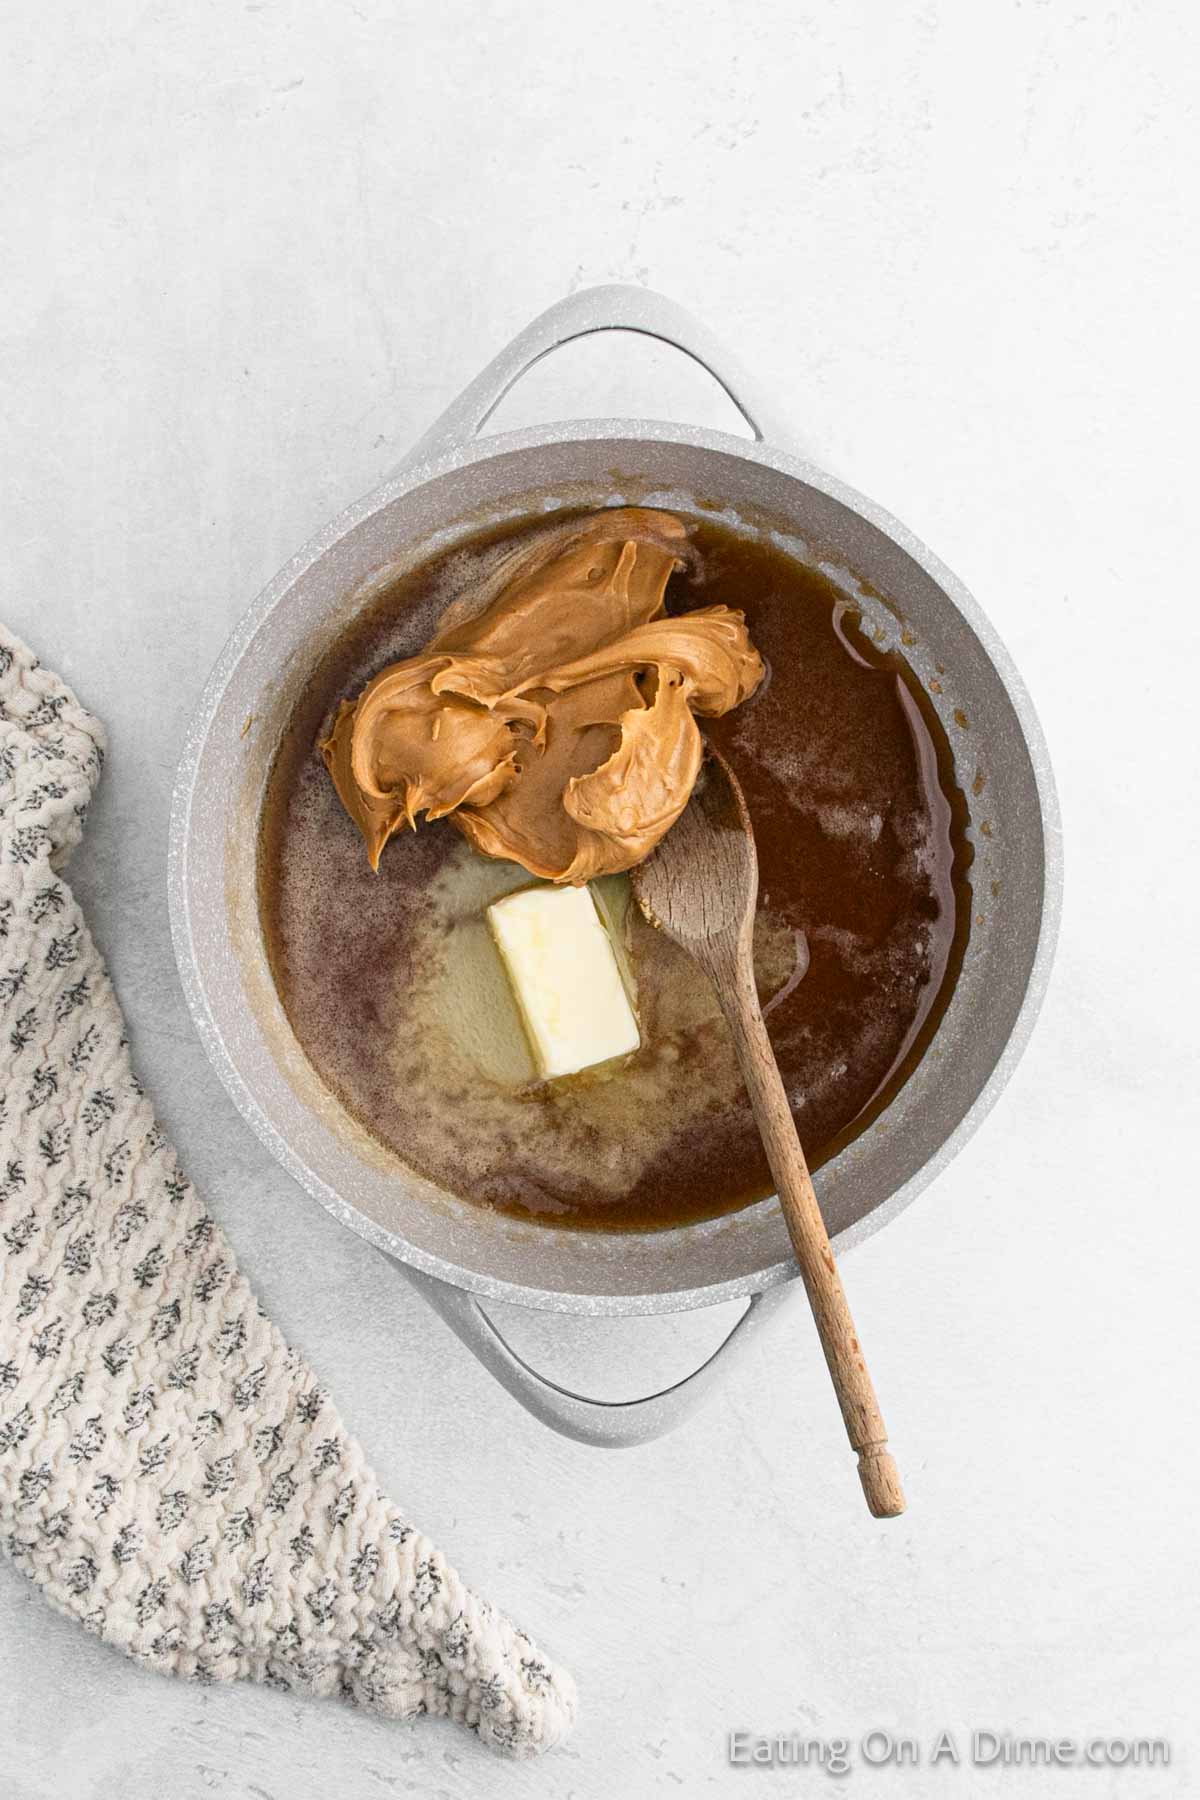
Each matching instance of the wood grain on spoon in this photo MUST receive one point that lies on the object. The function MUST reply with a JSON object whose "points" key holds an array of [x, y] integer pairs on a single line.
{"points": [[700, 888]]}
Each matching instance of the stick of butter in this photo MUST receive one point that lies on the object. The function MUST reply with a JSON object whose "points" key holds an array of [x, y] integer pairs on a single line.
{"points": [[564, 973]]}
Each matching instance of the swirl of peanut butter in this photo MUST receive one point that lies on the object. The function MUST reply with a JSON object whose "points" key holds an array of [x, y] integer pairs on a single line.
{"points": [[551, 718]]}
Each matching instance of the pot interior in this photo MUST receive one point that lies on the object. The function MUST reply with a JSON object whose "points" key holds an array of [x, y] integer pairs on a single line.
{"points": [[254, 689]]}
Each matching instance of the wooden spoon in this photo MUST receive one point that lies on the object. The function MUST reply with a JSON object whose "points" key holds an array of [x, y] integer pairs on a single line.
{"points": [[700, 888]]}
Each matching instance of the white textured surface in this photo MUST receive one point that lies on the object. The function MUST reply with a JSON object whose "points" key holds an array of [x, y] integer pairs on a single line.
{"points": [[251, 251]]}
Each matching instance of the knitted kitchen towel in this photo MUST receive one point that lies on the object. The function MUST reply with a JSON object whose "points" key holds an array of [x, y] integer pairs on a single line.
{"points": [[171, 1473]]}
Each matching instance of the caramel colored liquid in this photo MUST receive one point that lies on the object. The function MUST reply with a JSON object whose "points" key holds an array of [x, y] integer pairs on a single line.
{"points": [[396, 995]]}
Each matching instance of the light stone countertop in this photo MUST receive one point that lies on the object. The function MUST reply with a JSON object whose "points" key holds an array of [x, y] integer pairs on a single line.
{"points": [[250, 252]]}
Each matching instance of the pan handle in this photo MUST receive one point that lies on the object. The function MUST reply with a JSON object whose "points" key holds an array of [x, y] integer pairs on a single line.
{"points": [[610, 308], [610, 1424]]}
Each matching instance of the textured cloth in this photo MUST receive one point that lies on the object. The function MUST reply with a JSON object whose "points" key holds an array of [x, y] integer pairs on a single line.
{"points": [[171, 1473]]}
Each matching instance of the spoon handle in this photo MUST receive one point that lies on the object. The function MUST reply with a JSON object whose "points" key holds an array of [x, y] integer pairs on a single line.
{"points": [[773, 1115]]}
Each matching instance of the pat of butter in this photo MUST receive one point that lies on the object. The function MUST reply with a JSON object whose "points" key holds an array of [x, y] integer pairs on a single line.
{"points": [[564, 973]]}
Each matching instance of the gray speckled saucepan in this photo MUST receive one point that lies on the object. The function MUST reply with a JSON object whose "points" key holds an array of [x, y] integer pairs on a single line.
{"points": [[451, 485]]}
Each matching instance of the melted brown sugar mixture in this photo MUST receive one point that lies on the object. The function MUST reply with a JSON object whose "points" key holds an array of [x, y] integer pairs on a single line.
{"points": [[396, 994]]}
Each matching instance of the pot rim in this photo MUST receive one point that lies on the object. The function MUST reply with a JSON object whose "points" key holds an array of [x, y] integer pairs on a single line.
{"points": [[414, 473]]}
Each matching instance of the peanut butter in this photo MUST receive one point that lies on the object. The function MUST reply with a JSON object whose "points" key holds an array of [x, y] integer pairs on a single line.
{"points": [[552, 716]]}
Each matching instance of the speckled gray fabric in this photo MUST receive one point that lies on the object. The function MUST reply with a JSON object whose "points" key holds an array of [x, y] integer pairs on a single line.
{"points": [[171, 1473]]}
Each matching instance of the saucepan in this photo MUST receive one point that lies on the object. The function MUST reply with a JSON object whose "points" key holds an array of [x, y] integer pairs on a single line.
{"points": [[453, 483]]}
